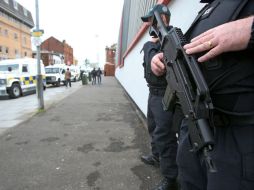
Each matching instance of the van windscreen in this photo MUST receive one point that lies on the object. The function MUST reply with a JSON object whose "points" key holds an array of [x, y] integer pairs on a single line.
{"points": [[51, 70], [10, 67]]}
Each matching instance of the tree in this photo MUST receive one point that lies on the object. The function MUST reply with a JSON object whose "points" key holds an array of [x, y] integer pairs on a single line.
{"points": [[87, 62]]}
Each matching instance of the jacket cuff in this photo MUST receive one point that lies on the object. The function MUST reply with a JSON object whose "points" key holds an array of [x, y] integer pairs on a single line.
{"points": [[251, 42]]}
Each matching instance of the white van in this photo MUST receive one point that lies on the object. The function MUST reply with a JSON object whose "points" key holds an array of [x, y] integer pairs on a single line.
{"points": [[55, 74], [75, 72], [18, 77]]}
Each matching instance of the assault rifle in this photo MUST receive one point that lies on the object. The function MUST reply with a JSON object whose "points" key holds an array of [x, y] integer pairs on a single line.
{"points": [[187, 84]]}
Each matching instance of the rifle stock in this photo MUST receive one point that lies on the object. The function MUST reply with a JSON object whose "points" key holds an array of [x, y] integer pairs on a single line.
{"points": [[186, 82]]}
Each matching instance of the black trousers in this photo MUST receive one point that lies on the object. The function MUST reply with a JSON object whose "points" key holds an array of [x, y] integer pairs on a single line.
{"points": [[93, 80], [233, 156], [99, 79], [163, 139], [68, 81]]}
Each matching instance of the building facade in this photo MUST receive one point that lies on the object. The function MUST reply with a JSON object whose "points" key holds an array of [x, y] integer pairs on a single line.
{"points": [[110, 54], [52, 47], [109, 67], [16, 23], [133, 34]]}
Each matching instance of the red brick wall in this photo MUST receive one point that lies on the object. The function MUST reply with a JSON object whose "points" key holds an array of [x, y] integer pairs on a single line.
{"points": [[54, 45], [110, 55], [68, 54], [109, 70]]}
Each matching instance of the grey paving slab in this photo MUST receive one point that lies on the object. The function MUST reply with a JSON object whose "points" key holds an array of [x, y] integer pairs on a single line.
{"points": [[15, 111], [91, 139]]}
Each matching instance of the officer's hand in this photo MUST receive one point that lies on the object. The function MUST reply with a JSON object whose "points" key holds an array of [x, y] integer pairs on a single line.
{"points": [[154, 40], [157, 65], [232, 36]]}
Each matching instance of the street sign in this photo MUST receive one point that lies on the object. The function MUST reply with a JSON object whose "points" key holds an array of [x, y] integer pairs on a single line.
{"points": [[37, 33], [36, 41]]}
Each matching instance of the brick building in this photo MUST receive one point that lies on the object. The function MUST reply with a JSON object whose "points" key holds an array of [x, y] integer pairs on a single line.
{"points": [[15, 25], [109, 67], [52, 47]]}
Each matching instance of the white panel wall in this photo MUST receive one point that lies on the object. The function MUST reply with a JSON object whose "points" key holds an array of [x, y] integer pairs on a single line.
{"points": [[131, 75], [183, 12]]}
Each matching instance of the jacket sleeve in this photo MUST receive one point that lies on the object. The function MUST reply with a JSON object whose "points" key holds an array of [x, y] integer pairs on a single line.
{"points": [[150, 49]]}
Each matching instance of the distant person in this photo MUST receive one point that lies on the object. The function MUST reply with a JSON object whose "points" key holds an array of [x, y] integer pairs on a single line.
{"points": [[81, 74], [99, 73], [93, 73], [68, 77]]}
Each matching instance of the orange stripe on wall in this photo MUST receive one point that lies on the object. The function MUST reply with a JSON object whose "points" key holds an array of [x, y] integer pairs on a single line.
{"points": [[120, 52], [141, 32]]}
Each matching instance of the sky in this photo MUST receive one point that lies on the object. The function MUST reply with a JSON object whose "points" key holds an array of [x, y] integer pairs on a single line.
{"points": [[88, 26]]}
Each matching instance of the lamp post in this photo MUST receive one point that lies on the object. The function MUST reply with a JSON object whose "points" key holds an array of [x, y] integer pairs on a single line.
{"points": [[39, 87], [97, 49]]}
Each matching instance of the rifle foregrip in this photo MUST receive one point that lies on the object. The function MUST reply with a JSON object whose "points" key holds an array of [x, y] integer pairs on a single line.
{"points": [[205, 131]]}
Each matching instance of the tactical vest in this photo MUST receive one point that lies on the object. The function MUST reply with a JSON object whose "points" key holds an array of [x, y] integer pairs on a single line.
{"points": [[150, 49], [230, 76]]}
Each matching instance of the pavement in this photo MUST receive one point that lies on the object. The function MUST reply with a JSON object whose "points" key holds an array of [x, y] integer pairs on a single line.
{"points": [[91, 139], [15, 111]]}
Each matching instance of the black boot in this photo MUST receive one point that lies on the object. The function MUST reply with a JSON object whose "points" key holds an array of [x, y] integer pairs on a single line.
{"points": [[166, 184], [150, 160]]}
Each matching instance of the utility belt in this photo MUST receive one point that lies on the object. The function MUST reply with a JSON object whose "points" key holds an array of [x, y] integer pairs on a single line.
{"points": [[224, 120], [157, 91]]}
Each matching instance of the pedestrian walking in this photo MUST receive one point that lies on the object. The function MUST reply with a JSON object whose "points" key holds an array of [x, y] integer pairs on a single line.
{"points": [[94, 74], [68, 77], [99, 73]]}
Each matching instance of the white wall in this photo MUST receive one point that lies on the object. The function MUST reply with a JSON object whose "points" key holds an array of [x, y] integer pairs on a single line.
{"points": [[183, 12], [56, 59], [131, 75]]}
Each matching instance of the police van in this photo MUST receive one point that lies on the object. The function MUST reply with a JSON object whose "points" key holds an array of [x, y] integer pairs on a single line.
{"points": [[18, 77]]}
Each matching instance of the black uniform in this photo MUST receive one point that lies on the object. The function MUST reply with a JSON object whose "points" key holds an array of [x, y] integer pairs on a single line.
{"points": [[230, 77], [99, 73], [163, 138], [94, 74]]}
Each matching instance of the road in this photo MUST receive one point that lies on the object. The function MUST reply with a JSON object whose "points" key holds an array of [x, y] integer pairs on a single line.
{"points": [[14, 111]]}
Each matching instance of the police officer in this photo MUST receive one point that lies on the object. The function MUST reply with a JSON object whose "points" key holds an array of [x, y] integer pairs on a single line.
{"points": [[163, 138], [222, 39]]}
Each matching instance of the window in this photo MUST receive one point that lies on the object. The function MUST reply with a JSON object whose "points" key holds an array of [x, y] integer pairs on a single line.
{"points": [[14, 67], [25, 11], [17, 55], [1, 49], [15, 36], [6, 32], [24, 68], [15, 4], [24, 40], [6, 50], [25, 54]]}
